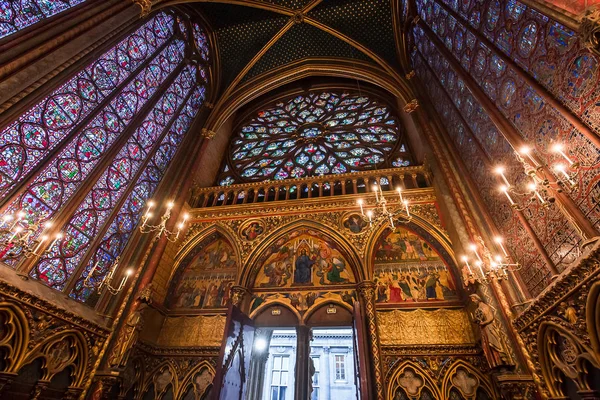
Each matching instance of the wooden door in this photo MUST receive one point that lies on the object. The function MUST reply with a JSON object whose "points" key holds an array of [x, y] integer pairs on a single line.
{"points": [[361, 349], [231, 379]]}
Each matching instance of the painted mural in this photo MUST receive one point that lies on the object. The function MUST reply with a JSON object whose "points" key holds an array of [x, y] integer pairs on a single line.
{"points": [[408, 269], [303, 300], [303, 258], [205, 276]]}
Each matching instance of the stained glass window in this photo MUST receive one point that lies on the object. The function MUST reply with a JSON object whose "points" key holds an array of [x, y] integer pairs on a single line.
{"points": [[315, 134], [120, 121], [16, 15]]}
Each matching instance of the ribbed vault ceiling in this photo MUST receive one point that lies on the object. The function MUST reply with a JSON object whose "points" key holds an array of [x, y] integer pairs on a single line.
{"points": [[257, 36]]}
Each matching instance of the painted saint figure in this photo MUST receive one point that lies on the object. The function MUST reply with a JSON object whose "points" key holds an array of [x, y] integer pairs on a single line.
{"points": [[303, 272], [492, 342]]}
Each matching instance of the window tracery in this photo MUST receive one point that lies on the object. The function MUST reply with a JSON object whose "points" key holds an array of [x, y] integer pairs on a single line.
{"points": [[17, 15], [314, 134], [118, 122]]}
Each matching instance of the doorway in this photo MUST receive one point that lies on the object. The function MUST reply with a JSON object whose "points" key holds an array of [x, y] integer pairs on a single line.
{"points": [[280, 355]]}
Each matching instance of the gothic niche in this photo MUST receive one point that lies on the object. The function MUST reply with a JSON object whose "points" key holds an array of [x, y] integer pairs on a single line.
{"points": [[205, 276]]}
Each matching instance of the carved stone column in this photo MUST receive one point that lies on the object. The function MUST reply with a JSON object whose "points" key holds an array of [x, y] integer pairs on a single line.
{"points": [[366, 291]]}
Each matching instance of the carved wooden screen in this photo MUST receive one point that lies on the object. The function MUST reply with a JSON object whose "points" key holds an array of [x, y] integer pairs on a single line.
{"points": [[232, 372]]}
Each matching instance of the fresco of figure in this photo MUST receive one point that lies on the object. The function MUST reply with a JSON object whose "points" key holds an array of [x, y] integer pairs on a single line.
{"points": [[303, 272]]}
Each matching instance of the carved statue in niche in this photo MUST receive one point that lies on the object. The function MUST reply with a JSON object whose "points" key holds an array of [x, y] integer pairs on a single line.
{"points": [[128, 338], [493, 345]]}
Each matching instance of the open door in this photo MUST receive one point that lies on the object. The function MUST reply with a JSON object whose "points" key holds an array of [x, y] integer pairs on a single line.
{"points": [[361, 348], [231, 378]]}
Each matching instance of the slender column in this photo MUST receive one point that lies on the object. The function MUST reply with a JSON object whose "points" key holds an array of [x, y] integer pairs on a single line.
{"points": [[324, 378], [302, 354], [572, 212], [366, 290], [542, 91]]}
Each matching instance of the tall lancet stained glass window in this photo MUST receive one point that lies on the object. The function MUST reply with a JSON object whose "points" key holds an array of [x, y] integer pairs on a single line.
{"points": [[91, 152], [313, 134], [16, 15]]}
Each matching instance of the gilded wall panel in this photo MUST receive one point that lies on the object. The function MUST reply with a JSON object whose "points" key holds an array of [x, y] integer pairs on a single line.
{"points": [[422, 327], [194, 331]]}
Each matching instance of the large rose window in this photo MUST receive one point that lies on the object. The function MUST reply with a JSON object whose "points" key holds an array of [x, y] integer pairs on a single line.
{"points": [[315, 134]]}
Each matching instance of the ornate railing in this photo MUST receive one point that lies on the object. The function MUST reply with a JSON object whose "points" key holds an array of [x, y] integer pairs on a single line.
{"points": [[323, 186]]}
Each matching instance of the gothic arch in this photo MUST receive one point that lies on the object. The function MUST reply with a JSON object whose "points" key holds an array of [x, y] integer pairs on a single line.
{"points": [[592, 316], [157, 379], [197, 238], [418, 223], [133, 377], [272, 303], [252, 266], [563, 355], [481, 381], [316, 307], [14, 335], [60, 351], [417, 372], [295, 71], [188, 380]]}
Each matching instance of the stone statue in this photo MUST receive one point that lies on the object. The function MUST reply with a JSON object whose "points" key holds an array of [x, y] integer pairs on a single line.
{"points": [[493, 345], [128, 338]]}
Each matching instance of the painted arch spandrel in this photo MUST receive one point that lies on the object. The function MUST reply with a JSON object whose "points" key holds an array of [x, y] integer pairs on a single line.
{"points": [[408, 270]]}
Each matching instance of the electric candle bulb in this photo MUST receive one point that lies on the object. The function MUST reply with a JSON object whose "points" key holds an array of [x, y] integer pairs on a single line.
{"points": [[559, 148], [170, 205], [526, 151]]}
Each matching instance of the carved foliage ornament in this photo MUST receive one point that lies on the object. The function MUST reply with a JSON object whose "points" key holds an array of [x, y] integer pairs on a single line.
{"points": [[589, 30]]}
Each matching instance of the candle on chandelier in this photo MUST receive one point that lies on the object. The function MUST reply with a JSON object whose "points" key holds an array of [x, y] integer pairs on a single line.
{"points": [[399, 190], [19, 216], [43, 238], [148, 213], [561, 168], [406, 208], [170, 205], [466, 261], [125, 278], [473, 248], [479, 263], [526, 151], [56, 239], [504, 189], [500, 242], [370, 216], [376, 192], [360, 204], [559, 148], [16, 231], [94, 268], [500, 171], [533, 189]]}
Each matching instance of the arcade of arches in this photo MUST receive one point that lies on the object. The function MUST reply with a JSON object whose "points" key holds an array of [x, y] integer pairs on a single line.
{"points": [[299, 199]]}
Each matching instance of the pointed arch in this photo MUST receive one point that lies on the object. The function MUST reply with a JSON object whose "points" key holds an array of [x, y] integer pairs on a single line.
{"points": [[201, 276], [60, 351], [272, 303], [153, 379], [188, 380], [252, 267], [417, 225], [14, 335], [324, 303], [483, 381], [566, 358], [394, 384], [592, 316]]}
